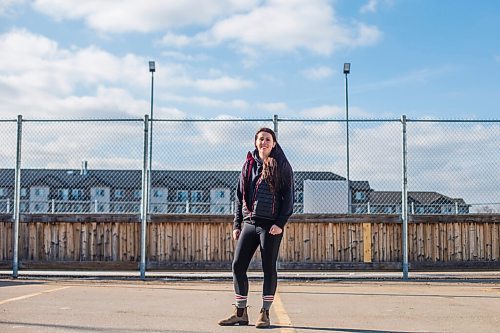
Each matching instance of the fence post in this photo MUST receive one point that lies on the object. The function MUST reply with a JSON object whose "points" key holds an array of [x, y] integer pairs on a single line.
{"points": [[275, 124], [404, 200], [17, 198], [144, 199]]}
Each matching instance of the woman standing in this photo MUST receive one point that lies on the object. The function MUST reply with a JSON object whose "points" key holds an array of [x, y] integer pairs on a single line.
{"points": [[264, 202]]}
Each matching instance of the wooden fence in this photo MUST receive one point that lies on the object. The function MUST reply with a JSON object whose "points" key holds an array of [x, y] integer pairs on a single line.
{"points": [[200, 241]]}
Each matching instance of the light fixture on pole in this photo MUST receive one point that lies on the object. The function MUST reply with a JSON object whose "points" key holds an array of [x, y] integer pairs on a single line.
{"points": [[347, 70], [152, 69]]}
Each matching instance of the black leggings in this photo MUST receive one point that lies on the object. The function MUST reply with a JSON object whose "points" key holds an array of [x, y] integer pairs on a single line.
{"points": [[251, 237]]}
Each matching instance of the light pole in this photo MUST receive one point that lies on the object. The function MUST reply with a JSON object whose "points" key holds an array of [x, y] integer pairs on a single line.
{"points": [[152, 69], [347, 70]]}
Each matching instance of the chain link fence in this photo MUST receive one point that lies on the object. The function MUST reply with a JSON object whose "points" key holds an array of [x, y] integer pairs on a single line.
{"points": [[8, 135], [196, 164], [95, 166], [453, 167], [81, 166]]}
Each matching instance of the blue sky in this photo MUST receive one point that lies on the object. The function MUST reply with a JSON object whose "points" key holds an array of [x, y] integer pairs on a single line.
{"points": [[250, 58]]}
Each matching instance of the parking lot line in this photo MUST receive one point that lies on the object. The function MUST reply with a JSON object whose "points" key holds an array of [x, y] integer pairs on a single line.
{"points": [[282, 316], [32, 295]]}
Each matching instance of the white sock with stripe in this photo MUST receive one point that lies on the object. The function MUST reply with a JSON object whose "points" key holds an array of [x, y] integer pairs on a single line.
{"points": [[267, 300], [241, 301]]}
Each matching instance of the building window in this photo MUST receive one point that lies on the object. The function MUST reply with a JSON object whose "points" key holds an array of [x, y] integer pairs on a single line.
{"points": [[158, 193], [76, 194], [196, 196], [360, 196], [24, 192], [99, 192], [182, 196], [119, 194], [299, 197], [63, 194], [448, 209]]}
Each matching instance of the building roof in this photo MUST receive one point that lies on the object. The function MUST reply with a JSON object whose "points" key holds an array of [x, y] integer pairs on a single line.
{"points": [[429, 198], [177, 179]]}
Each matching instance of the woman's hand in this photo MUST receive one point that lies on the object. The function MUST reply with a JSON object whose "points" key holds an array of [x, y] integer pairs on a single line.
{"points": [[236, 234], [275, 230]]}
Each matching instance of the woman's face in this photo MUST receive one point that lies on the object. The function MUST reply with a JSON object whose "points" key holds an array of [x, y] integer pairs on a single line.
{"points": [[264, 144]]}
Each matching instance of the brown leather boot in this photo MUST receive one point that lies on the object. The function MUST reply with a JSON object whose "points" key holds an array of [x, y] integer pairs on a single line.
{"points": [[234, 319], [263, 321]]}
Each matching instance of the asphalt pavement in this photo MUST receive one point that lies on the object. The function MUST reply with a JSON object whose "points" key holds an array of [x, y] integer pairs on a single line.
{"points": [[183, 302]]}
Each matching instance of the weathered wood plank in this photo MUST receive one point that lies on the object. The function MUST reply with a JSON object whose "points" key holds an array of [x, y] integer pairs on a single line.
{"points": [[367, 242], [495, 242]]}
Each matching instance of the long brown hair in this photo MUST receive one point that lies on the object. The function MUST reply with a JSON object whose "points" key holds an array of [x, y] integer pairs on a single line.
{"points": [[270, 170]]}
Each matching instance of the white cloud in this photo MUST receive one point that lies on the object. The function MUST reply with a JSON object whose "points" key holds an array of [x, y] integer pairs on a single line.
{"points": [[221, 84], [41, 79], [334, 111], [180, 56], [317, 73], [324, 111], [7, 6], [142, 16], [247, 24], [208, 102], [171, 39], [45, 63], [370, 6], [273, 107], [289, 25]]}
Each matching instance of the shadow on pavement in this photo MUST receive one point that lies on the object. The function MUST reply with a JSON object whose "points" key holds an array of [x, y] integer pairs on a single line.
{"points": [[338, 329]]}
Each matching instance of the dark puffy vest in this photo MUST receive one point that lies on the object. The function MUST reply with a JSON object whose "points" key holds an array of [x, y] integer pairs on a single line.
{"points": [[264, 203]]}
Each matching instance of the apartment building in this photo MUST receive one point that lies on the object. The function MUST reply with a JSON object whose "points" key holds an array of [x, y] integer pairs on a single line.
{"points": [[199, 192]]}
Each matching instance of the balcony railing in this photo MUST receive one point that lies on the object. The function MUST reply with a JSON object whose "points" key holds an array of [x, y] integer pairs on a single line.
{"points": [[179, 207]]}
